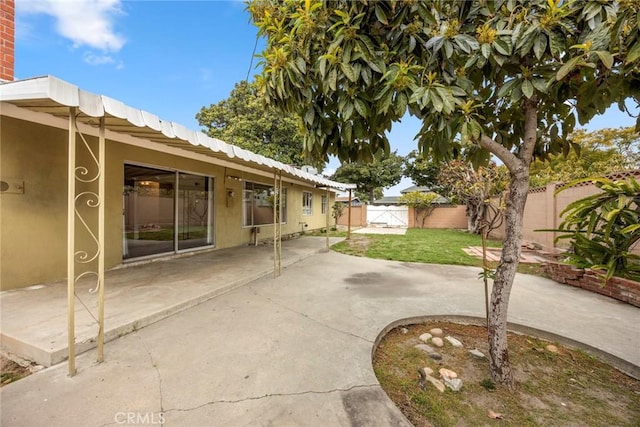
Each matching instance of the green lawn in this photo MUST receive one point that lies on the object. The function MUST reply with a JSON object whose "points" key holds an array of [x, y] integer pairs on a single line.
{"points": [[418, 245]]}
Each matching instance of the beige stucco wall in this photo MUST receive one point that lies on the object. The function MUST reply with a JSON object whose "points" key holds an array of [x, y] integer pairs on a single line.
{"points": [[33, 225], [441, 217], [543, 212]]}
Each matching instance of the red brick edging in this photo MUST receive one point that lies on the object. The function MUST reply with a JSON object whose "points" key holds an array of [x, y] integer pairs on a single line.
{"points": [[624, 290]]}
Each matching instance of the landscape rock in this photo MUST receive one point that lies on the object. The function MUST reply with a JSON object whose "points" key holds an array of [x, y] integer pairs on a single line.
{"points": [[436, 332], [454, 342], [437, 341], [425, 371], [495, 415], [447, 373], [436, 383], [425, 377], [404, 330], [425, 337], [477, 353], [429, 350], [454, 384], [552, 348]]}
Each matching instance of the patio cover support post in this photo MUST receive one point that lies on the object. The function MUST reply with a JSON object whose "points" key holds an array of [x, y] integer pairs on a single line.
{"points": [[101, 235], [277, 227], [349, 217], [71, 192], [280, 210], [327, 217]]}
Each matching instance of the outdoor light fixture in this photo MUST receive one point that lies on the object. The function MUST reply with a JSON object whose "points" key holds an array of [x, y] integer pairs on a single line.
{"points": [[231, 193]]}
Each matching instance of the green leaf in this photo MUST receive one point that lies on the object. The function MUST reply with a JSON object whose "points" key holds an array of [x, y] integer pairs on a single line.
{"points": [[382, 17], [540, 84], [365, 41], [412, 44], [333, 79], [436, 101], [486, 50], [448, 48], [347, 111], [348, 71], [347, 130], [361, 108], [501, 47], [527, 89], [385, 102], [557, 43], [605, 57], [634, 52], [309, 116], [401, 104], [301, 64], [365, 73], [630, 229], [434, 43], [507, 87], [322, 67], [540, 45], [567, 68]]}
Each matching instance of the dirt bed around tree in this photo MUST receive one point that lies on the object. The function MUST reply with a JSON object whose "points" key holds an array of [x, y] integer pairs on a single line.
{"points": [[555, 385]]}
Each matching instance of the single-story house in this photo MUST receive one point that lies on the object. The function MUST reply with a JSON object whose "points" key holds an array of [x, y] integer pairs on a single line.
{"points": [[167, 189], [88, 183]]}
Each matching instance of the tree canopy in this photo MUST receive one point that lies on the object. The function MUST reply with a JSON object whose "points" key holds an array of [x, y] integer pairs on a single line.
{"points": [[242, 120], [422, 203], [371, 178], [475, 187], [602, 152], [503, 77], [423, 171]]}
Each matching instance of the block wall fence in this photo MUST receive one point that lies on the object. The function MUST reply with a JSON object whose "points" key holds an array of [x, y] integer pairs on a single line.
{"points": [[544, 207]]}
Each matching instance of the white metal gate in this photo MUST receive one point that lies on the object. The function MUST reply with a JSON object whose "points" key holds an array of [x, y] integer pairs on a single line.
{"points": [[388, 216]]}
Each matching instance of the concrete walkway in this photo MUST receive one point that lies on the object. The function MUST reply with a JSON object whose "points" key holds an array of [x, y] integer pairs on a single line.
{"points": [[296, 350], [34, 319]]}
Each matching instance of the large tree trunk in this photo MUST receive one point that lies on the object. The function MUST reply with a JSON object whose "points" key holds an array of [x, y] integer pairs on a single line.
{"points": [[505, 274]]}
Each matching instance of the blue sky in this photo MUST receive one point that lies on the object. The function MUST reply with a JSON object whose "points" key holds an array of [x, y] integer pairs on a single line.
{"points": [[170, 58]]}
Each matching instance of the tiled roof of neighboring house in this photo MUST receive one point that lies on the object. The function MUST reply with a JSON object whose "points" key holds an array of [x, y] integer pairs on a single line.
{"points": [[415, 188], [387, 200], [55, 97], [355, 201], [395, 200]]}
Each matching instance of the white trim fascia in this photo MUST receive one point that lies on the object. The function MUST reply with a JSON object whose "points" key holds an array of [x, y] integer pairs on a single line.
{"points": [[13, 111]]}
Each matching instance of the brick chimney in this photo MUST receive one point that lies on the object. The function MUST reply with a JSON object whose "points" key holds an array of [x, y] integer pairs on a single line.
{"points": [[7, 39]]}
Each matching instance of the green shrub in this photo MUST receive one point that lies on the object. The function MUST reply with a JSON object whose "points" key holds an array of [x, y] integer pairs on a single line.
{"points": [[604, 228]]}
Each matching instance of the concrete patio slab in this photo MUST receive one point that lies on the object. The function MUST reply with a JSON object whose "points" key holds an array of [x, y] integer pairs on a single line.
{"points": [[135, 296], [296, 350]]}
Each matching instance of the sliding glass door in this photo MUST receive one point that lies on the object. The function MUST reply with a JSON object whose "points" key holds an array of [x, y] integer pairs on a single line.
{"points": [[165, 211], [194, 213]]}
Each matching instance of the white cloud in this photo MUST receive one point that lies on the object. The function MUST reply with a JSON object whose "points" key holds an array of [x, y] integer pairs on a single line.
{"points": [[93, 59], [85, 22]]}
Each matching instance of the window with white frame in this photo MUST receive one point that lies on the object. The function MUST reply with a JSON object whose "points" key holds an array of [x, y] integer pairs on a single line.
{"points": [[324, 205], [307, 203], [258, 202]]}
